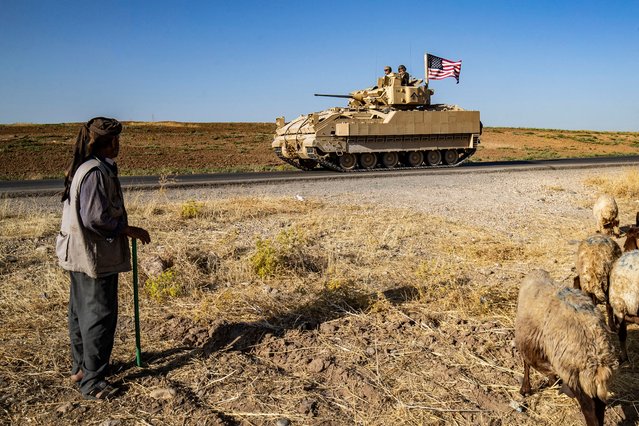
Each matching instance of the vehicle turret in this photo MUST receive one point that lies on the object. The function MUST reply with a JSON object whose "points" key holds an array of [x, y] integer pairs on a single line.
{"points": [[389, 93]]}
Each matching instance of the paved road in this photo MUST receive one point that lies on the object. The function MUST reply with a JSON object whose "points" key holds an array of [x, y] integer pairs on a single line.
{"points": [[54, 186]]}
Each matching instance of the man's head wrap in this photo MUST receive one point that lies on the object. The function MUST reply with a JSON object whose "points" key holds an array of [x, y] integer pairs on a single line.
{"points": [[104, 126], [95, 131]]}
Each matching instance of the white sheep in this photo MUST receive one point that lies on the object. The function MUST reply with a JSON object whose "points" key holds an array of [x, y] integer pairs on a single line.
{"points": [[595, 257], [605, 212], [560, 332], [623, 294]]}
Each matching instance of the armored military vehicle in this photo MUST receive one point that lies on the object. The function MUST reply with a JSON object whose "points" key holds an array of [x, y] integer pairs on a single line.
{"points": [[383, 127]]}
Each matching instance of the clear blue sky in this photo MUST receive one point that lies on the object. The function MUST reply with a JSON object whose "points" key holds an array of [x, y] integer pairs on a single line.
{"points": [[547, 64]]}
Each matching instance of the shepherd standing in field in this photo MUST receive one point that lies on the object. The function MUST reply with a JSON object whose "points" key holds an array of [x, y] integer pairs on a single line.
{"points": [[93, 247]]}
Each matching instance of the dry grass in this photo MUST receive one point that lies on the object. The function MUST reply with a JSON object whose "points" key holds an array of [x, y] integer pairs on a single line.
{"points": [[624, 185], [367, 315]]}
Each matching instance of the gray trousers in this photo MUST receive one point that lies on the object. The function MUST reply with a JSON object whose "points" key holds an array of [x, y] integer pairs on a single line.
{"points": [[93, 315]]}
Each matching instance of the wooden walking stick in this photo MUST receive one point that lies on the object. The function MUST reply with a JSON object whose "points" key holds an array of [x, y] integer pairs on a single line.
{"points": [[136, 306]]}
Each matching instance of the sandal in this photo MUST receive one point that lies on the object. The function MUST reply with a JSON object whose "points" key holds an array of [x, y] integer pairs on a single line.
{"points": [[101, 391]]}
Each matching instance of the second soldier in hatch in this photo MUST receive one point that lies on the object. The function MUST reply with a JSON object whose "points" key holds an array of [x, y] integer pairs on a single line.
{"points": [[403, 75]]}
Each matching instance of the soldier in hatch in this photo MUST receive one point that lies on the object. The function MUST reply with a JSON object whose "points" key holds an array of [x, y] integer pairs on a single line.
{"points": [[388, 72], [403, 75]]}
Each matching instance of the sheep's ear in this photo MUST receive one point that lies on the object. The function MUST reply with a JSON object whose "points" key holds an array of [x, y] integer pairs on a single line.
{"points": [[566, 391], [632, 240], [626, 244]]}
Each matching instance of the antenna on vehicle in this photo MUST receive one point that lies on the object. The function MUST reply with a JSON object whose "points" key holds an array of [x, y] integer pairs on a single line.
{"points": [[410, 55]]}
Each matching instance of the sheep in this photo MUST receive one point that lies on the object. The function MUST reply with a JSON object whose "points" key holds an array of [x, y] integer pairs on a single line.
{"points": [[623, 294], [560, 332], [595, 257], [605, 212]]}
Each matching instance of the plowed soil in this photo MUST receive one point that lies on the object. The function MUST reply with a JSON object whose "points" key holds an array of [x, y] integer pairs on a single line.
{"points": [[44, 151]]}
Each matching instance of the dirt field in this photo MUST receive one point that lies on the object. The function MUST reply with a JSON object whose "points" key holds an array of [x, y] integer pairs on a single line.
{"points": [[43, 151], [368, 301]]}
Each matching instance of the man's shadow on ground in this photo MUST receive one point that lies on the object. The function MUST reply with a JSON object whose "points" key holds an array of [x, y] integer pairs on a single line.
{"points": [[243, 336]]}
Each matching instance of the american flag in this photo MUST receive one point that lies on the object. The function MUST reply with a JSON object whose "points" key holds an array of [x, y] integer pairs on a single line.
{"points": [[440, 68]]}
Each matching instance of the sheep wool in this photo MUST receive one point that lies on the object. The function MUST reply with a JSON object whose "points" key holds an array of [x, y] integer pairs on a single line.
{"points": [[595, 257], [559, 331], [605, 212], [624, 285]]}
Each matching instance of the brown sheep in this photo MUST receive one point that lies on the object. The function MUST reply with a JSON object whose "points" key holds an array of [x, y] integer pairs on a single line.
{"points": [[605, 212], [595, 257], [560, 332]]}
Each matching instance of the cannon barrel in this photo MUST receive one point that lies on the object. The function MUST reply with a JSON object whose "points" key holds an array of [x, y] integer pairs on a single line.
{"points": [[334, 96], [358, 96]]}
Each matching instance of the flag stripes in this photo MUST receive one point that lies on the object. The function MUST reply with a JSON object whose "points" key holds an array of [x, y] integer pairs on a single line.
{"points": [[440, 68]]}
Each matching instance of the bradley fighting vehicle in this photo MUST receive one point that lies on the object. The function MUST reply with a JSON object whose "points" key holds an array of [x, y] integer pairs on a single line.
{"points": [[384, 127]]}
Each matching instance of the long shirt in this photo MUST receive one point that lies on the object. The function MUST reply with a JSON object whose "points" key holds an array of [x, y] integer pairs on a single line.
{"points": [[94, 204]]}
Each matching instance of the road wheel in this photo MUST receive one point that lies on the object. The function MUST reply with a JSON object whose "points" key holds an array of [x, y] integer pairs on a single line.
{"points": [[450, 156], [433, 158], [367, 160], [347, 161], [390, 159], [415, 158]]}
